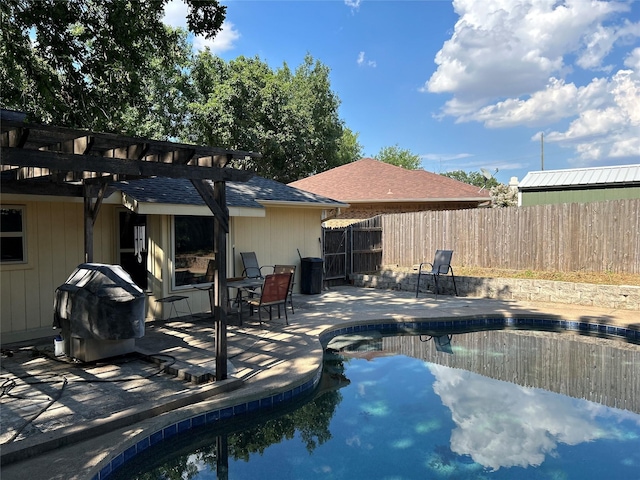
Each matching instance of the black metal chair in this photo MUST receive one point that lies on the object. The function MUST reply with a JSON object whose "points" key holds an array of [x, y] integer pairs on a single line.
{"points": [[441, 266], [252, 268]]}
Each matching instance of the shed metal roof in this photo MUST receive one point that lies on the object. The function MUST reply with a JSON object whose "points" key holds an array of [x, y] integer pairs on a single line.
{"points": [[578, 177]]}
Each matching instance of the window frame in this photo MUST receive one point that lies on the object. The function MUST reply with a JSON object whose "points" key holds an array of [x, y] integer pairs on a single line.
{"points": [[22, 234]]}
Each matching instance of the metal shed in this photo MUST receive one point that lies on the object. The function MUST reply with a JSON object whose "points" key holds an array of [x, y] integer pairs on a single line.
{"points": [[580, 185]]}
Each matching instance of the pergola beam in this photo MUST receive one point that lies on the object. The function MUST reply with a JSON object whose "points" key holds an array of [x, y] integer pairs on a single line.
{"points": [[45, 159], [18, 157]]}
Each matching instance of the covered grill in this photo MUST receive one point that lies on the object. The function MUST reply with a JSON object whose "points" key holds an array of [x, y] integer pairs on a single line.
{"points": [[100, 311]]}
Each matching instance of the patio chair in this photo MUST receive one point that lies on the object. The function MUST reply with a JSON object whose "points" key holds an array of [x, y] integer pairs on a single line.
{"points": [[252, 268], [275, 291], [209, 274], [442, 342], [441, 266], [208, 279], [287, 269]]}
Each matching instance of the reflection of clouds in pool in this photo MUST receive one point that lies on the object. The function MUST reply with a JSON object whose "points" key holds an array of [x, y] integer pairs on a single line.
{"points": [[378, 408], [362, 387], [354, 441], [401, 443], [500, 424], [428, 426]]}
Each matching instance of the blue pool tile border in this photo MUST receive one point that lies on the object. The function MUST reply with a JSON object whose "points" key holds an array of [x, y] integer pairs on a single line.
{"points": [[202, 419], [391, 327], [414, 326]]}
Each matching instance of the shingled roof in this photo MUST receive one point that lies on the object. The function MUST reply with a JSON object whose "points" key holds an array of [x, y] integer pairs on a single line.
{"points": [[368, 180], [251, 194]]}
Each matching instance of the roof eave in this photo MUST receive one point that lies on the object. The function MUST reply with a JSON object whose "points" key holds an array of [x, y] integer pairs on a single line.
{"points": [[577, 186], [289, 203], [421, 200]]}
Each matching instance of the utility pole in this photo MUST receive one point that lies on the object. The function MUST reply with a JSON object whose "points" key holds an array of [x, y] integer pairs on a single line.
{"points": [[541, 151]]}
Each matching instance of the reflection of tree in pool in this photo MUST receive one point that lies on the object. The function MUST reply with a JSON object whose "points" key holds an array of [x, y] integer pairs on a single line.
{"points": [[184, 456], [176, 466], [310, 420]]}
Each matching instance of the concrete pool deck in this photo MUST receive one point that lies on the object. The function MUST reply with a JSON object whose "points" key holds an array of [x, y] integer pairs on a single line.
{"points": [[94, 411]]}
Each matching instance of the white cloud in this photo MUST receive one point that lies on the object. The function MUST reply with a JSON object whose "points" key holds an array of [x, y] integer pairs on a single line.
{"points": [[223, 41], [500, 424], [362, 62], [557, 101], [507, 61], [353, 4], [600, 42], [502, 48], [633, 61], [175, 15], [610, 131]]}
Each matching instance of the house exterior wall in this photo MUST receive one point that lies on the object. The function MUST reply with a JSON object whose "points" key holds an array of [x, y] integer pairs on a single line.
{"points": [[276, 238], [528, 198], [55, 247]]}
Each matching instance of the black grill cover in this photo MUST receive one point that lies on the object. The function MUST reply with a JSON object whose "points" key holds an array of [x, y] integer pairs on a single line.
{"points": [[100, 302]]}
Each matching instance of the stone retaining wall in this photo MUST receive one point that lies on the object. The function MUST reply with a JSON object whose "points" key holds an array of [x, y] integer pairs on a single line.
{"points": [[608, 296]]}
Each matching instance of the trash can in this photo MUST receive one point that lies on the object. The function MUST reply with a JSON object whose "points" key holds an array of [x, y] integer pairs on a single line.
{"points": [[311, 276]]}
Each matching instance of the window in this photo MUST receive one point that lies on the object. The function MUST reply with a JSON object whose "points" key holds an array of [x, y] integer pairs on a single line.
{"points": [[12, 237], [193, 248]]}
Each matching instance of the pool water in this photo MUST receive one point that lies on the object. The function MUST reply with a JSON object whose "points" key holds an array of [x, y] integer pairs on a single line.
{"points": [[479, 405]]}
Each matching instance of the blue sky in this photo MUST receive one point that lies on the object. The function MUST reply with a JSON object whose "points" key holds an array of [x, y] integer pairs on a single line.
{"points": [[464, 84]]}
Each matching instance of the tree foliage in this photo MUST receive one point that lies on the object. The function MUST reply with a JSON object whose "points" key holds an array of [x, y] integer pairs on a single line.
{"points": [[349, 149], [501, 195], [84, 63], [114, 66], [399, 157], [472, 178], [289, 117]]}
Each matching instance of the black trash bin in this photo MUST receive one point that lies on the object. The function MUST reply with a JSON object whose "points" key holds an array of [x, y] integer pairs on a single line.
{"points": [[311, 276]]}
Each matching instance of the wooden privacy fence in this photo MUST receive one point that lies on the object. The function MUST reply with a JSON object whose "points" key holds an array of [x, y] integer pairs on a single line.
{"points": [[356, 248], [597, 237]]}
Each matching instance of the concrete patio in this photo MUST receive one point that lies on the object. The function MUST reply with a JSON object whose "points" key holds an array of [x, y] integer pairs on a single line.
{"points": [[64, 420]]}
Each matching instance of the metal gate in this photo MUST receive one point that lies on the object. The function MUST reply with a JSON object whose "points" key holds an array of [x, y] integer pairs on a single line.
{"points": [[356, 248]]}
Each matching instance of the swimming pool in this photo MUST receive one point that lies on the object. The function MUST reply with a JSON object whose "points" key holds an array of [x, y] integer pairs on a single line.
{"points": [[482, 404]]}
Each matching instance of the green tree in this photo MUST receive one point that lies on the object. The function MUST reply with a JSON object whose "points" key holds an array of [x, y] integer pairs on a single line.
{"points": [[289, 117], [83, 63], [472, 178], [161, 107], [349, 149], [399, 157]]}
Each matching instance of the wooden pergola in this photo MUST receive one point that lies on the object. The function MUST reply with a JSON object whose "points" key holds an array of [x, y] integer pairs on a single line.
{"points": [[49, 160]]}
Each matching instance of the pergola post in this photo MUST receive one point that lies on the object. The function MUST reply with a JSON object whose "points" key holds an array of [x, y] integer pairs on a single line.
{"points": [[91, 209], [88, 229], [217, 203], [220, 280]]}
